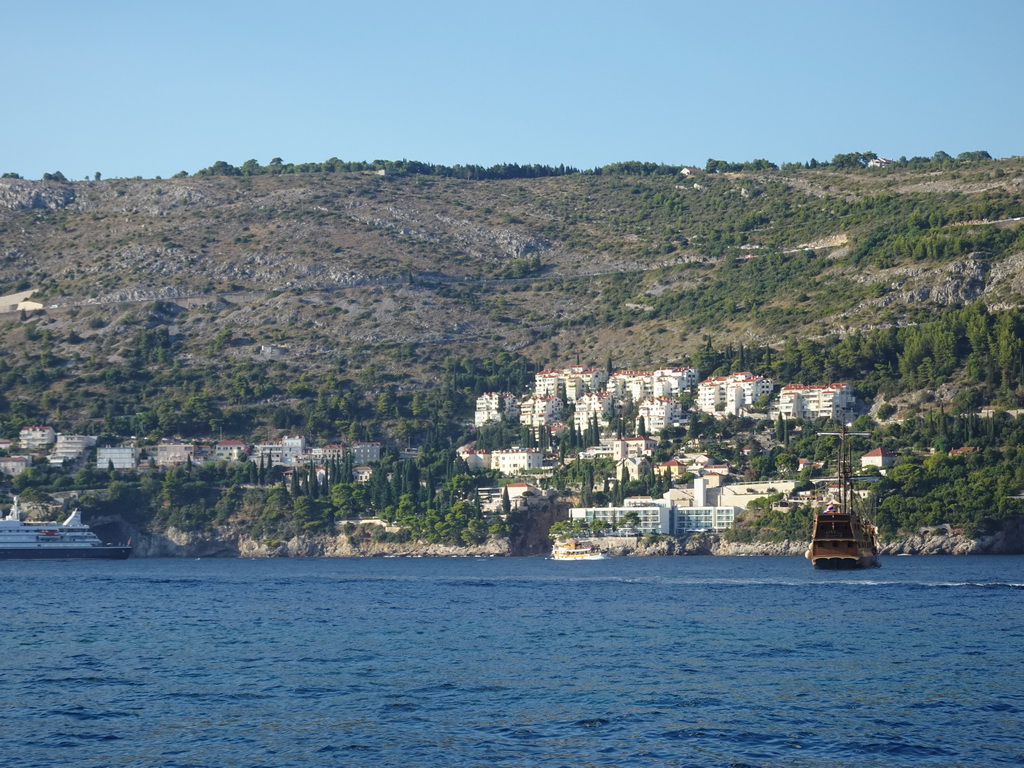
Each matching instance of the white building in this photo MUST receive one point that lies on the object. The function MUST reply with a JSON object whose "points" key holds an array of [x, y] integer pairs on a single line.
{"points": [[365, 453], [476, 459], [14, 465], [731, 394], [655, 514], [660, 412], [268, 453], [668, 382], [635, 385], [798, 401], [882, 458], [593, 404], [292, 449], [635, 467], [122, 457], [229, 450], [35, 438], [522, 495], [592, 379], [631, 447], [333, 452], [664, 382], [516, 460], [704, 508], [603, 451], [174, 454], [540, 411], [71, 447], [549, 384], [493, 406], [576, 381], [698, 512]]}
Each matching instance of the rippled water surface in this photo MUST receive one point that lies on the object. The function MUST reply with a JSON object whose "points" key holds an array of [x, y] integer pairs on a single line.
{"points": [[685, 661]]}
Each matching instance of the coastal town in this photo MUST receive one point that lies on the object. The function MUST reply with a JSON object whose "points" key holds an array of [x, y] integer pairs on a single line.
{"points": [[635, 427]]}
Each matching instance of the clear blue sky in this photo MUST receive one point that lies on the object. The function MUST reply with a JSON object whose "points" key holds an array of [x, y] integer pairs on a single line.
{"points": [[149, 89]]}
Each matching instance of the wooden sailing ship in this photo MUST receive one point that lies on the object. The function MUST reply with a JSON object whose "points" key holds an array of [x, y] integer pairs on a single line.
{"points": [[843, 538]]}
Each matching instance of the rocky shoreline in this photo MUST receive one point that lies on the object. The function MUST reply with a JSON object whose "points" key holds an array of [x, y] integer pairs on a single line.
{"points": [[227, 542], [233, 542]]}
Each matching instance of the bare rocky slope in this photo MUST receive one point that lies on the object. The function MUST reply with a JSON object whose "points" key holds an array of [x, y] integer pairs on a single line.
{"points": [[351, 265]]}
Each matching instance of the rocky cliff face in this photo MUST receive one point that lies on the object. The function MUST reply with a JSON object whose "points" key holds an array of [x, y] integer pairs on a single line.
{"points": [[233, 542], [1008, 540]]}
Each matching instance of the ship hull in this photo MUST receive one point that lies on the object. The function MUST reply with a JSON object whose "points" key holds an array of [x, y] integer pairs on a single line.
{"points": [[65, 553], [843, 542], [845, 564]]}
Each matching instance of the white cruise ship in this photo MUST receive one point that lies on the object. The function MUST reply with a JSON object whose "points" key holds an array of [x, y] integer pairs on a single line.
{"points": [[70, 540]]}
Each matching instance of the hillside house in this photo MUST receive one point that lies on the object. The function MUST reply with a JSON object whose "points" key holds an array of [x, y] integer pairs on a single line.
{"points": [[731, 394], [635, 467], [514, 461], [36, 438], [540, 411], [660, 412], [170, 454], [492, 407], [882, 458], [574, 382], [522, 495], [333, 452], [632, 447], [229, 450], [17, 302], [669, 382], [124, 458], [71, 447], [801, 401], [599, 405], [14, 465], [293, 447], [675, 468], [365, 453]]}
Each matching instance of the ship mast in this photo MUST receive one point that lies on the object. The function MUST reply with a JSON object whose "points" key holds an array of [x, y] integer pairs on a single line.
{"points": [[843, 455]]}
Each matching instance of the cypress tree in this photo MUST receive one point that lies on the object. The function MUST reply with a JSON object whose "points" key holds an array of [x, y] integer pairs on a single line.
{"points": [[314, 483]]}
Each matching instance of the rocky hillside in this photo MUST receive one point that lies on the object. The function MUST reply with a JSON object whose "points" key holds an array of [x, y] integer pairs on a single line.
{"points": [[321, 261], [386, 276]]}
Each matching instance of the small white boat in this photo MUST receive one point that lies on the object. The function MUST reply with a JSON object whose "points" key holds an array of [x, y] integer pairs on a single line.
{"points": [[574, 549]]}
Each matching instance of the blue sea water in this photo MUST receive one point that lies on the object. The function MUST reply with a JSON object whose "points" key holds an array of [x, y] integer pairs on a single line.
{"points": [[683, 661]]}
